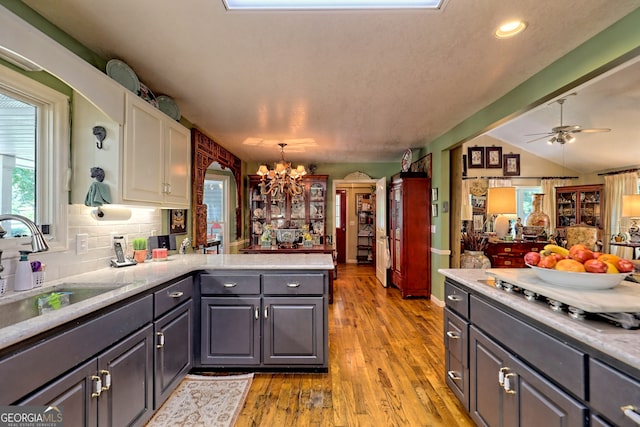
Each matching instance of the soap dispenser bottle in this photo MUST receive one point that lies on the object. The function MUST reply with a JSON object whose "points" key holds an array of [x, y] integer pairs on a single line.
{"points": [[24, 275]]}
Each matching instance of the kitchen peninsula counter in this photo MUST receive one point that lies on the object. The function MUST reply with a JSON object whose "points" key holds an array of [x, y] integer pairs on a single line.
{"points": [[133, 280], [615, 344]]}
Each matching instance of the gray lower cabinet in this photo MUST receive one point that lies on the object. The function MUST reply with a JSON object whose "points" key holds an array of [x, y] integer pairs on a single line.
{"points": [[258, 320], [614, 395], [173, 334], [113, 389], [505, 392], [508, 373]]}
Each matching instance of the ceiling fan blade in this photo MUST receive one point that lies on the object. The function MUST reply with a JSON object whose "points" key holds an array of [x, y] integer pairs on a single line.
{"points": [[538, 139], [592, 130], [541, 133]]}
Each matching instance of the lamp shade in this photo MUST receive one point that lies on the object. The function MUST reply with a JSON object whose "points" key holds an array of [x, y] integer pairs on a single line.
{"points": [[501, 200], [631, 205]]}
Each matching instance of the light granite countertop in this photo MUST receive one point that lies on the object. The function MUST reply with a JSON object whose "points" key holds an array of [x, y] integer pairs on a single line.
{"points": [[620, 344], [135, 279]]}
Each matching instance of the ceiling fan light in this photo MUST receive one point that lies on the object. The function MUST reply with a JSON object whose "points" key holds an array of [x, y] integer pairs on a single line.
{"points": [[551, 140], [569, 138]]}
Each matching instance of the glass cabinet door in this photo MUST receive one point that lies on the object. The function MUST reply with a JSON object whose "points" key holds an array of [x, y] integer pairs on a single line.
{"points": [[278, 211], [566, 208], [258, 214], [590, 208], [298, 210], [317, 195]]}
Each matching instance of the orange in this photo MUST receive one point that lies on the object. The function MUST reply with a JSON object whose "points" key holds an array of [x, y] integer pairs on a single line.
{"points": [[611, 268], [613, 259], [570, 265]]}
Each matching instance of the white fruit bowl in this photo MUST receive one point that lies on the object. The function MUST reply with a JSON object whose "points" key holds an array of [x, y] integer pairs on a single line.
{"points": [[574, 280]]}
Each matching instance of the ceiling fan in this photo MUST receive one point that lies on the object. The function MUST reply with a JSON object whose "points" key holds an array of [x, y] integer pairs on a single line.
{"points": [[564, 133]]}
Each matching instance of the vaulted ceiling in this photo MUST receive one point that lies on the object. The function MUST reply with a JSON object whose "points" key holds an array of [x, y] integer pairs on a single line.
{"points": [[337, 86]]}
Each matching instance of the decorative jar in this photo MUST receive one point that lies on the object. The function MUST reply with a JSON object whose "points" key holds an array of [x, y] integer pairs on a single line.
{"points": [[538, 218], [474, 259]]}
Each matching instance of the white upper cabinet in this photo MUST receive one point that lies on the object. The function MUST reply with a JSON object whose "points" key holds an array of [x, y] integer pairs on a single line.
{"points": [[156, 157]]}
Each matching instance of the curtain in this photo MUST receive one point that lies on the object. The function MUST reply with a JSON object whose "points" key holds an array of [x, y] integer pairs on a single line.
{"points": [[615, 186], [549, 202]]}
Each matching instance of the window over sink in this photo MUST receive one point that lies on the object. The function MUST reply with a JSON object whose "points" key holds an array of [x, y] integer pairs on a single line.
{"points": [[34, 153]]}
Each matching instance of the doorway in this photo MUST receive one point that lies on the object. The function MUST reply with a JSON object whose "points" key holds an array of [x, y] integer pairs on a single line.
{"points": [[341, 226], [216, 197], [361, 180]]}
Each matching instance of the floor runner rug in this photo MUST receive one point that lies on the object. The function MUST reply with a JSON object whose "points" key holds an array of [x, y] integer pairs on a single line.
{"points": [[203, 400]]}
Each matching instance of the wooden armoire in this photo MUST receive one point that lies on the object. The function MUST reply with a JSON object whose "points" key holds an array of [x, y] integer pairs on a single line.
{"points": [[410, 233]]}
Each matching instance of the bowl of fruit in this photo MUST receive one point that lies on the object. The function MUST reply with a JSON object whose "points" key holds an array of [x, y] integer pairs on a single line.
{"points": [[578, 267]]}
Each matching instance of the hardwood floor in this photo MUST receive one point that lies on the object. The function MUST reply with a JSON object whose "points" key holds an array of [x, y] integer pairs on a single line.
{"points": [[386, 366]]}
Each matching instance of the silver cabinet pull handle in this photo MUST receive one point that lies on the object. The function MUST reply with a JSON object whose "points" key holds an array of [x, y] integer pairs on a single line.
{"points": [[176, 294], [230, 285], [160, 343], [97, 386], [507, 383], [106, 375], [501, 375], [454, 375], [257, 313], [293, 285], [454, 298], [266, 312], [453, 335], [631, 412]]}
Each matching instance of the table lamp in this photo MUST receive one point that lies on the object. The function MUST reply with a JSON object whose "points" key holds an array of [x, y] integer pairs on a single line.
{"points": [[631, 209], [501, 201]]}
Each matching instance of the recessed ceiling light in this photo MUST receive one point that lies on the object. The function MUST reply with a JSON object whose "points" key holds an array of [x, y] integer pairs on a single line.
{"points": [[331, 4], [510, 29]]}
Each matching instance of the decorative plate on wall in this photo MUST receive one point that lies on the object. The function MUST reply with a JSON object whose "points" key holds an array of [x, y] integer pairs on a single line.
{"points": [[406, 160]]}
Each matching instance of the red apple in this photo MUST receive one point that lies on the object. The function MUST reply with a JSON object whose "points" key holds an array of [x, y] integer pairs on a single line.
{"points": [[581, 255], [532, 258], [595, 266], [624, 266], [547, 262]]}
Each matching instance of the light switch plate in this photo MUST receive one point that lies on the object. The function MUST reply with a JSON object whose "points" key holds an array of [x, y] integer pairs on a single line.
{"points": [[82, 244]]}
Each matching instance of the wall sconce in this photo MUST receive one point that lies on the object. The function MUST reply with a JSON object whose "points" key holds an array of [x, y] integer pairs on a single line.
{"points": [[501, 201]]}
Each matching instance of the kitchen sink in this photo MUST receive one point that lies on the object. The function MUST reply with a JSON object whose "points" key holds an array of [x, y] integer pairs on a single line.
{"points": [[27, 308]]}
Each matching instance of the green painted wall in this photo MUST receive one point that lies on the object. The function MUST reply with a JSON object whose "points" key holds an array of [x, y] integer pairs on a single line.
{"points": [[611, 47]]}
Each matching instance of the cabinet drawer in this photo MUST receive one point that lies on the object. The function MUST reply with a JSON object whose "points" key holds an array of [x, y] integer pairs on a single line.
{"points": [[610, 390], [557, 360], [508, 262], [172, 296], [293, 284], [229, 284], [456, 299], [456, 332]]}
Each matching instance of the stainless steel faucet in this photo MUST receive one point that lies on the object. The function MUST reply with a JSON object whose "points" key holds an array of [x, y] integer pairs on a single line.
{"points": [[38, 244]]}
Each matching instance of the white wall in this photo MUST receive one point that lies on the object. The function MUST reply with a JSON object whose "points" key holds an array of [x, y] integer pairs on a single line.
{"points": [[59, 264], [530, 164]]}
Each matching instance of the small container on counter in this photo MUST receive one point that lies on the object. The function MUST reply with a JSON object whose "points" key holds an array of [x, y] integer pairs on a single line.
{"points": [[159, 254], [24, 275]]}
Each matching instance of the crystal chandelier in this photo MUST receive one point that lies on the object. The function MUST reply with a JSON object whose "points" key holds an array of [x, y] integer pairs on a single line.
{"points": [[282, 179]]}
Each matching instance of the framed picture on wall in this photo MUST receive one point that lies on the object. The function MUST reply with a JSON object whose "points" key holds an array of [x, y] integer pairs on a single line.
{"points": [[177, 221], [493, 157], [475, 156], [511, 165]]}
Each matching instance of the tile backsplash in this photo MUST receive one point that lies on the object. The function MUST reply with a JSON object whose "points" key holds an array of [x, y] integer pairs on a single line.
{"points": [[144, 222]]}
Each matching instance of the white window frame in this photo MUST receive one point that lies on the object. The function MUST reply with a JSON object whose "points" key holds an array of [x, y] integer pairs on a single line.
{"points": [[212, 175], [52, 158]]}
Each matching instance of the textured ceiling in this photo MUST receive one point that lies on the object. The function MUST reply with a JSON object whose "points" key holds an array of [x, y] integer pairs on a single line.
{"points": [[337, 85]]}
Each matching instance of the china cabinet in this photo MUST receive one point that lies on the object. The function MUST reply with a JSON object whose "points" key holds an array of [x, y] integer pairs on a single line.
{"points": [[410, 233], [286, 211], [581, 204]]}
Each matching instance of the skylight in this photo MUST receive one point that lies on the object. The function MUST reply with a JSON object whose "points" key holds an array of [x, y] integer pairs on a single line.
{"points": [[330, 4]]}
